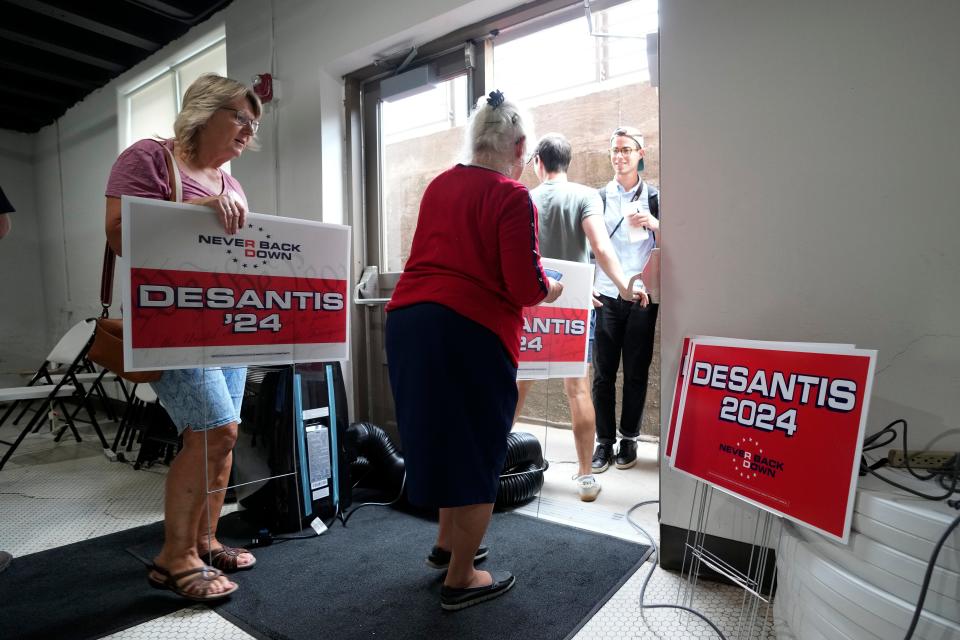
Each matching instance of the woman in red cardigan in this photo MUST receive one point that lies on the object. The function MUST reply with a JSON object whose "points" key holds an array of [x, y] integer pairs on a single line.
{"points": [[453, 341]]}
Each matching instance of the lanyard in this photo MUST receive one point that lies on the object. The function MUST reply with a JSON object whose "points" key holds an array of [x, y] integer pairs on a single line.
{"points": [[635, 197]]}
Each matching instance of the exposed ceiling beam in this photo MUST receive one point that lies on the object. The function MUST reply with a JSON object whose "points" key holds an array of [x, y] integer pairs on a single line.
{"points": [[25, 113], [164, 9], [46, 75], [62, 51], [86, 23], [23, 124], [33, 95]]}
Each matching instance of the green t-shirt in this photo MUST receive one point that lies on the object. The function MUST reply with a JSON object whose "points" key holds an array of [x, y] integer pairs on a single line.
{"points": [[562, 207]]}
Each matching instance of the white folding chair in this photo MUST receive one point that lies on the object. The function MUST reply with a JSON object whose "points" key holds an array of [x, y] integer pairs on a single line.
{"points": [[70, 350]]}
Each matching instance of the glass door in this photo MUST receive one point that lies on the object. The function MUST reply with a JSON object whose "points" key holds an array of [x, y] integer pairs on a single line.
{"points": [[412, 132]]}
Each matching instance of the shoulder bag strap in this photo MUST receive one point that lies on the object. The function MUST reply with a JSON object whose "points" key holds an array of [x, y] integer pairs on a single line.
{"points": [[110, 258], [106, 279], [173, 175], [635, 197]]}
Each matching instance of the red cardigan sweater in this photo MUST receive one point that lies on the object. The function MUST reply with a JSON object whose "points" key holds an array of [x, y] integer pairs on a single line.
{"points": [[475, 251]]}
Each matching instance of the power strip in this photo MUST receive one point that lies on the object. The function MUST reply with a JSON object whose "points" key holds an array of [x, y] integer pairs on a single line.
{"points": [[920, 459]]}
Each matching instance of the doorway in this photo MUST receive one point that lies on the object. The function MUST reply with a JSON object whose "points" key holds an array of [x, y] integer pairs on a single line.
{"points": [[580, 75]]}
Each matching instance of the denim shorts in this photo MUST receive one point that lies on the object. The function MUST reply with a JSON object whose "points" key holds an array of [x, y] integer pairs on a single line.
{"points": [[202, 398]]}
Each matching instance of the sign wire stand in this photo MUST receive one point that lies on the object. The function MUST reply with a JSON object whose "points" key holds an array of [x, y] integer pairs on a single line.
{"points": [[750, 622]]}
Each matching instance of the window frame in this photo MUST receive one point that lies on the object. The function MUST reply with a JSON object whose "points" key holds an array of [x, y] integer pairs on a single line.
{"points": [[362, 99], [171, 63]]}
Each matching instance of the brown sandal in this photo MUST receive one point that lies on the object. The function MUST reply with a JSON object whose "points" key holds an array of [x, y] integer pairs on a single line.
{"points": [[226, 558], [199, 574]]}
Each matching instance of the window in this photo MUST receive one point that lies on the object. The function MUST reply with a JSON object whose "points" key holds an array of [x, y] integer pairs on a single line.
{"points": [[542, 55], [437, 109], [422, 136], [583, 85], [563, 61], [150, 107], [573, 82]]}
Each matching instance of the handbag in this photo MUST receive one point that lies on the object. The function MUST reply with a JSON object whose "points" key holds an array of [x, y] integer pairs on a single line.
{"points": [[107, 347]]}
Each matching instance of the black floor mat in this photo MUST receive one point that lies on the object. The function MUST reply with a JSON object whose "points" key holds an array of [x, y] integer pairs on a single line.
{"points": [[367, 580]]}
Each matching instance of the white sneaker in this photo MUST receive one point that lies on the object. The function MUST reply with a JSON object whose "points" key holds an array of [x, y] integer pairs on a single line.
{"points": [[587, 487]]}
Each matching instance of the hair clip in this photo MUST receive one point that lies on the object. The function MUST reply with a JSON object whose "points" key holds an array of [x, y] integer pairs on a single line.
{"points": [[495, 99]]}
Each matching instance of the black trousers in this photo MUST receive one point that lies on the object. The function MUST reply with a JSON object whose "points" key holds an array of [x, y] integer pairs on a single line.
{"points": [[625, 330]]}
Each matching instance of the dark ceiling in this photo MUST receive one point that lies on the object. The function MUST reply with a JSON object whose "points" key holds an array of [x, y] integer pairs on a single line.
{"points": [[53, 53]]}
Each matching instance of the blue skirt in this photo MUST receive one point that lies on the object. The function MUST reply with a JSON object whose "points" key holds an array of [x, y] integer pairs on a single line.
{"points": [[455, 390]]}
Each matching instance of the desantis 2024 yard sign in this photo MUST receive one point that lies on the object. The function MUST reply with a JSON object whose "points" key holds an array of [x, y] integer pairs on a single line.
{"points": [[780, 426], [553, 343], [274, 292]]}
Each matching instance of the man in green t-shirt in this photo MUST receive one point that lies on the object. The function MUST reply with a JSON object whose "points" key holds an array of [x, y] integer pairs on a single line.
{"points": [[570, 226]]}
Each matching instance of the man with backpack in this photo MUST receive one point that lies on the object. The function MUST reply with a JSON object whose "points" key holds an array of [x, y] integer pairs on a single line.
{"points": [[624, 329]]}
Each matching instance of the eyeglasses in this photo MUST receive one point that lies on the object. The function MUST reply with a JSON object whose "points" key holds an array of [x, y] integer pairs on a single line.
{"points": [[243, 119], [623, 151]]}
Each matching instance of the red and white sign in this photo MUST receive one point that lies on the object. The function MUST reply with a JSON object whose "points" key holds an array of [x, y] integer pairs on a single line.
{"points": [[779, 425], [682, 370], [274, 292], [553, 343], [677, 393]]}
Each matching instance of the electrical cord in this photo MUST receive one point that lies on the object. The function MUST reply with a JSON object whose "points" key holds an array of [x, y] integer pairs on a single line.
{"points": [[279, 539], [869, 445], [653, 567], [265, 538], [929, 574], [347, 515], [361, 479], [546, 465], [948, 472]]}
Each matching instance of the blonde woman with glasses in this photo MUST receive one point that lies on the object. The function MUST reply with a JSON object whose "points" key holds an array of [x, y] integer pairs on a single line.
{"points": [[218, 121]]}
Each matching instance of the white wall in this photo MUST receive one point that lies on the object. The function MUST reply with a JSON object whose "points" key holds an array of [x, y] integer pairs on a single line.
{"points": [[22, 337], [809, 172], [72, 161], [312, 46]]}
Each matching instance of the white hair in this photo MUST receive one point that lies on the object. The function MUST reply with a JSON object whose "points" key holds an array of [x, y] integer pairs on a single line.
{"points": [[493, 131]]}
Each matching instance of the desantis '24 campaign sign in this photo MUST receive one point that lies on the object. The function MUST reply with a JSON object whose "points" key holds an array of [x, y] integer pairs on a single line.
{"points": [[274, 292], [778, 425], [553, 343]]}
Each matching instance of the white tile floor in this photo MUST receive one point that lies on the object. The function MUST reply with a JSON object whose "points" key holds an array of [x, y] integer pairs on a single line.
{"points": [[53, 494]]}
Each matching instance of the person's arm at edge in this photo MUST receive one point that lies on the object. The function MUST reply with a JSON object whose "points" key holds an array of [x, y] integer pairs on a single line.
{"points": [[5, 224]]}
